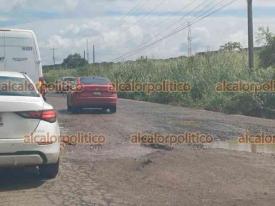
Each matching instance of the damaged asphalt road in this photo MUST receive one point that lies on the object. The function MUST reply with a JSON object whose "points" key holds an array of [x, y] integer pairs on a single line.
{"points": [[122, 173]]}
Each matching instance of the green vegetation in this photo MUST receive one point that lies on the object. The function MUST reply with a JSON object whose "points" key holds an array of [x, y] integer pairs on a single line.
{"points": [[73, 61], [232, 46], [267, 54], [202, 71]]}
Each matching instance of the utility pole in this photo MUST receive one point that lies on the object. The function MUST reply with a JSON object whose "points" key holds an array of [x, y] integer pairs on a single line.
{"points": [[84, 54], [88, 52], [189, 38], [93, 53], [250, 35], [53, 56]]}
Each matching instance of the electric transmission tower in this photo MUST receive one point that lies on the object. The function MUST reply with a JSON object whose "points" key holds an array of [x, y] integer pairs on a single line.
{"points": [[88, 51], [189, 38], [93, 53], [54, 59]]}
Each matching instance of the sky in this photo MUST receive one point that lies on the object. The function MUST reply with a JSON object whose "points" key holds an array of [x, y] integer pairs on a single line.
{"points": [[120, 27]]}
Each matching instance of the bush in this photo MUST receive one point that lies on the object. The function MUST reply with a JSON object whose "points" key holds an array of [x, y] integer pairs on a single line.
{"points": [[74, 60], [267, 54], [246, 104]]}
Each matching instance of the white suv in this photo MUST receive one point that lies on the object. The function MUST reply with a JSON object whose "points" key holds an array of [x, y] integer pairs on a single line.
{"points": [[29, 131]]}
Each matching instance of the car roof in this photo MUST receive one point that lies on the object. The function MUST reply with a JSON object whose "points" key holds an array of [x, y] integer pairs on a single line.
{"points": [[11, 74], [95, 77], [17, 33], [16, 30], [68, 78]]}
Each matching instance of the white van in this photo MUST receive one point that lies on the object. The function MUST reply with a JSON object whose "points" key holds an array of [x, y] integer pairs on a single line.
{"points": [[19, 52]]}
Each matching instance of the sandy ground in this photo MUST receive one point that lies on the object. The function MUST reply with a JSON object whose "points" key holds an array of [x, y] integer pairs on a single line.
{"points": [[121, 173]]}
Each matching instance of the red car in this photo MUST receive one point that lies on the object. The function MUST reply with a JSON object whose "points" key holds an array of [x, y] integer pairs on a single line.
{"points": [[92, 92]]}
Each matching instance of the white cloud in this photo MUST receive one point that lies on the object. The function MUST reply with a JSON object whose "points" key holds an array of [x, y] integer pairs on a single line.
{"points": [[115, 35], [71, 4], [57, 41]]}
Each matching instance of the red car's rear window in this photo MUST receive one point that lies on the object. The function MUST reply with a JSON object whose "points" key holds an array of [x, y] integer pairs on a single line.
{"points": [[94, 80]]}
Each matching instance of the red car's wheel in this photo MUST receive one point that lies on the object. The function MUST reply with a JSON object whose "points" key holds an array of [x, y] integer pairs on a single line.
{"points": [[75, 110], [113, 109]]}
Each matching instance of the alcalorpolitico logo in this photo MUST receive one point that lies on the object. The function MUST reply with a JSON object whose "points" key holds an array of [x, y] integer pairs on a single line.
{"points": [[78, 138], [148, 88], [260, 138], [171, 139], [242, 86]]}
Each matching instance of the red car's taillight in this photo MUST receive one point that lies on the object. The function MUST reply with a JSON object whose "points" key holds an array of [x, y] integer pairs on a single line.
{"points": [[79, 88], [46, 115], [111, 89]]}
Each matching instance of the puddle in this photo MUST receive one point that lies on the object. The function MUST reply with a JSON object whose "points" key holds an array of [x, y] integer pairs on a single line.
{"points": [[235, 146]]}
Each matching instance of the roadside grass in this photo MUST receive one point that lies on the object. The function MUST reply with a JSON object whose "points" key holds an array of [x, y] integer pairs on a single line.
{"points": [[202, 72]]}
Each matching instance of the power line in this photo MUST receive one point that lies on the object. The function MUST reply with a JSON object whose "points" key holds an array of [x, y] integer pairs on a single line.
{"points": [[139, 7], [151, 11], [174, 32], [200, 8], [132, 10], [183, 17], [158, 6], [185, 7], [147, 14], [203, 6], [189, 13], [179, 29]]}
